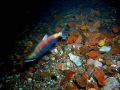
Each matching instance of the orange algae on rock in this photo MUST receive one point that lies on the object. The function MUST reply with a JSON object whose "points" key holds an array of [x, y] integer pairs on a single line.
{"points": [[84, 49], [76, 50], [17, 56], [29, 71], [82, 27], [92, 85], [96, 35], [40, 62], [108, 62], [111, 70], [82, 81], [116, 28], [92, 54], [69, 72], [101, 81], [59, 65], [71, 39], [44, 74], [108, 40], [98, 73], [21, 63], [115, 50], [71, 86], [79, 39], [116, 38], [28, 44], [91, 39]]}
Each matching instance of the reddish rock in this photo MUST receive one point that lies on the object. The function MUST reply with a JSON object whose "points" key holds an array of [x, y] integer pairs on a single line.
{"points": [[92, 85], [82, 81], [108, 62], [84, 49], [92, 54], [115, 50], [71, 39], [98, 73], [69, 72], [91, 39], [59, 65], [40, 62], [116, 28], [101, 81], [71, 24]]}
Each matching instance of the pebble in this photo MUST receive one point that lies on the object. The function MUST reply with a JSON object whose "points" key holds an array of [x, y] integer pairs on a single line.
{"points": [[104, 49], [75, 59], [118, 68], [98, 64], [68, 64], [111, 83], [29, 80], [56, 51], [53, 58]]}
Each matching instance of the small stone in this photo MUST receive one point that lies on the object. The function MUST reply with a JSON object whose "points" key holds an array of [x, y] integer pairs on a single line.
{"points": [[111, 83], [98, 73], [56, 51], [61, 52], [29, 80], [98, 64], [118, 68], [100, 59], [53, 58], [25, 51], [104, 49], [75, 59], [108, 62], [118, 63], [82, 81], [118, 41], [68, 64]]}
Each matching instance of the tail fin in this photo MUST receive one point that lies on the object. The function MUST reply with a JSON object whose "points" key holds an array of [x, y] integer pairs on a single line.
{"points": [[29, 58], [63, 32]]}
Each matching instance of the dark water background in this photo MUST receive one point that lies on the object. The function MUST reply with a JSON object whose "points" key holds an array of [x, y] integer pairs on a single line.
{"points": [[19, 15]]}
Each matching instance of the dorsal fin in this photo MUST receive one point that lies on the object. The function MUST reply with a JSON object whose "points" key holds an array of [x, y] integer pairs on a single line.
{"points": [[46, 36]]}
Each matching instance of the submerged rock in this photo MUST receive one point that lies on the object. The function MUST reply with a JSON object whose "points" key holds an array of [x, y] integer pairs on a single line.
{"points": [[104, 49], [118, 69], [75, 59], [92, 54], [111, 83], [107, 56], [116, 28], [102, 42]]}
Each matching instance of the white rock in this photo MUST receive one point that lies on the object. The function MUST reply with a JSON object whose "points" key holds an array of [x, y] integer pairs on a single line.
{"points": [[98, 64], [104, 49], [53, 58], [29, 80], [68, 64], [75, 59]]}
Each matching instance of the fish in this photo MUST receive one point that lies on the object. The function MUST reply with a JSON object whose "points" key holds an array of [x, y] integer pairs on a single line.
{"points": [[44, 46]]}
